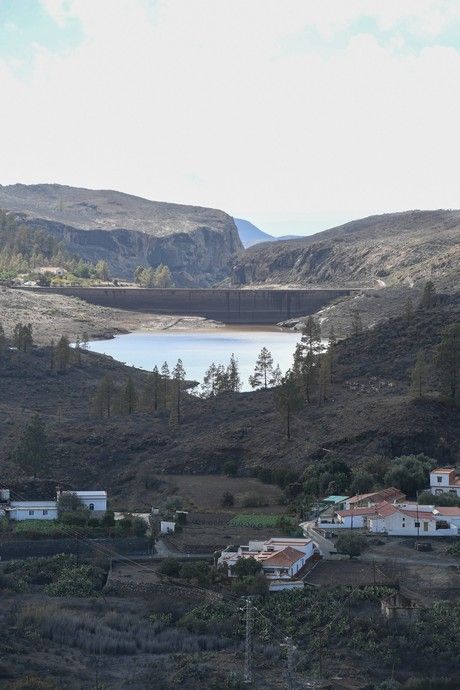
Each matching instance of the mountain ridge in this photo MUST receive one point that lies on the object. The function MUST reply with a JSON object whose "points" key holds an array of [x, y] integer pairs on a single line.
{"points": [[388, 249], [197, 243]]}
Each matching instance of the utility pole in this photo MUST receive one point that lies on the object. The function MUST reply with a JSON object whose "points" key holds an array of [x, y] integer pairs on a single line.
{"points": [[248, 643]]}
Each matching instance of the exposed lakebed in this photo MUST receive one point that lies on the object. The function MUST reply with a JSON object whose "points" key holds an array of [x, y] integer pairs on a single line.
{"points": [[197, 349]]}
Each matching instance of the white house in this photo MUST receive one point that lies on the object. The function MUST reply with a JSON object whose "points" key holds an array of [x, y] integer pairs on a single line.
{"points": [[32, 510], [93, 500], [409, 520], [445, 480], [281, 558]]}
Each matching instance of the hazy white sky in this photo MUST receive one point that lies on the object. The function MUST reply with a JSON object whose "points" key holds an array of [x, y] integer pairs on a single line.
{"points": [[295, 114]]}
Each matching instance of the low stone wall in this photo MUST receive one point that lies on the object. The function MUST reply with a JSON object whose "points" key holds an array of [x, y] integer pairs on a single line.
{"points": [[27, 548]]}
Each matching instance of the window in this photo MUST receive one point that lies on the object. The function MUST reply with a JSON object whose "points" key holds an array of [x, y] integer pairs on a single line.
{"points": [[31, 512], [45, 512], [416, 524], [91, 506], [439, 479]]}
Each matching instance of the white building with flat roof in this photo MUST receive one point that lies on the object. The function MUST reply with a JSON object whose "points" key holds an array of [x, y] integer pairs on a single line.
{"points": [[32, 510], [445, 480]]}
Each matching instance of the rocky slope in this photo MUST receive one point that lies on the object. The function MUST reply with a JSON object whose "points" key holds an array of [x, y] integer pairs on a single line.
{"points": [[392, 249], [127, 231]]}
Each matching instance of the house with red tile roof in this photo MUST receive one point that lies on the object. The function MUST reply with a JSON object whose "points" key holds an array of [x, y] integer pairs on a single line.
{"points": [[410, 519], [390, 494], [281, 558]]}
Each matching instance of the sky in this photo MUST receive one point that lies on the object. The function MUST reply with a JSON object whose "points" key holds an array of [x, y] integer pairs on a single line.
{"points": [[294, 114]]}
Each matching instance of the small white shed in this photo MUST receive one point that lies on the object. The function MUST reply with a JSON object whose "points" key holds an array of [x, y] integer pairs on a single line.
{"points": [[167, 527]]}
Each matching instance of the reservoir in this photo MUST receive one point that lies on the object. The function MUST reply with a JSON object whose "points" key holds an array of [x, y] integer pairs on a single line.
{"points": [[199, 348]]}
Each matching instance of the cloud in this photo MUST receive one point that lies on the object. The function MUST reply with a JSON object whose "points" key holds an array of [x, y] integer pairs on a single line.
{"points": [[269, 110]]}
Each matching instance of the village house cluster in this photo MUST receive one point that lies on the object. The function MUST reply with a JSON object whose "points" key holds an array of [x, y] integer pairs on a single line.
{"points": [[94, 501], [388, 512]]}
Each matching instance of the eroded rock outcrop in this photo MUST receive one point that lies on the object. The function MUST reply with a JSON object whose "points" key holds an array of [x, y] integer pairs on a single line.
{"points": [[198, 244]]}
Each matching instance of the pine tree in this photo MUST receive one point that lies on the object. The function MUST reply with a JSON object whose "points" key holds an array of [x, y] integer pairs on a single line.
{"points": [[209, 386], [221, 379], [105, 395], [448, 363], [63, 354], [311, 336], [31, 452], [178, 375], [156, 388], [276, 377], [288, 400], [428, 300], [233, 375], [263, 370], [22, 337], [162, 277], [129, 396], [418, 375], [356, 323], [165, 376], [102, 269]]}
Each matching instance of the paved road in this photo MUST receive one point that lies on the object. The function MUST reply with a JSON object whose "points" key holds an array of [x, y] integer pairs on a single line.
{"points": [[325, 546]]}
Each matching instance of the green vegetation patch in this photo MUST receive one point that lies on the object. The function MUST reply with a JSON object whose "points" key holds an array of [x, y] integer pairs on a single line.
{"points": [[248, 520], [62, 575]]}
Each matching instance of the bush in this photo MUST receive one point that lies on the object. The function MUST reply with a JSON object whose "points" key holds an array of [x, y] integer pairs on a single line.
{"points": [[231, 468], [427, 498], [227, 500], [82, 581], [351, 544], [247, 566], [169, 567], [257, 585], [61, 573], [253, 500], [70, 503]]}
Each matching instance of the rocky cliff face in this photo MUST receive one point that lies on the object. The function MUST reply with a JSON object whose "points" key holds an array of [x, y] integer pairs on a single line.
{"points": [[392, 249], [198, 244]]}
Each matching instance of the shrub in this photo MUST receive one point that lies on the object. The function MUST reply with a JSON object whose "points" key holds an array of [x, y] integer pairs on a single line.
{"points": [[231, 468], [254, 500], [169, 567], [247, 566], [70, 503], [227, 500], [256, 585], [351, 544], [82, 581]]}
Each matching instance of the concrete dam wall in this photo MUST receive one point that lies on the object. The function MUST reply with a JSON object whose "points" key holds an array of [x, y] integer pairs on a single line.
{"points": [[229, 306]]}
